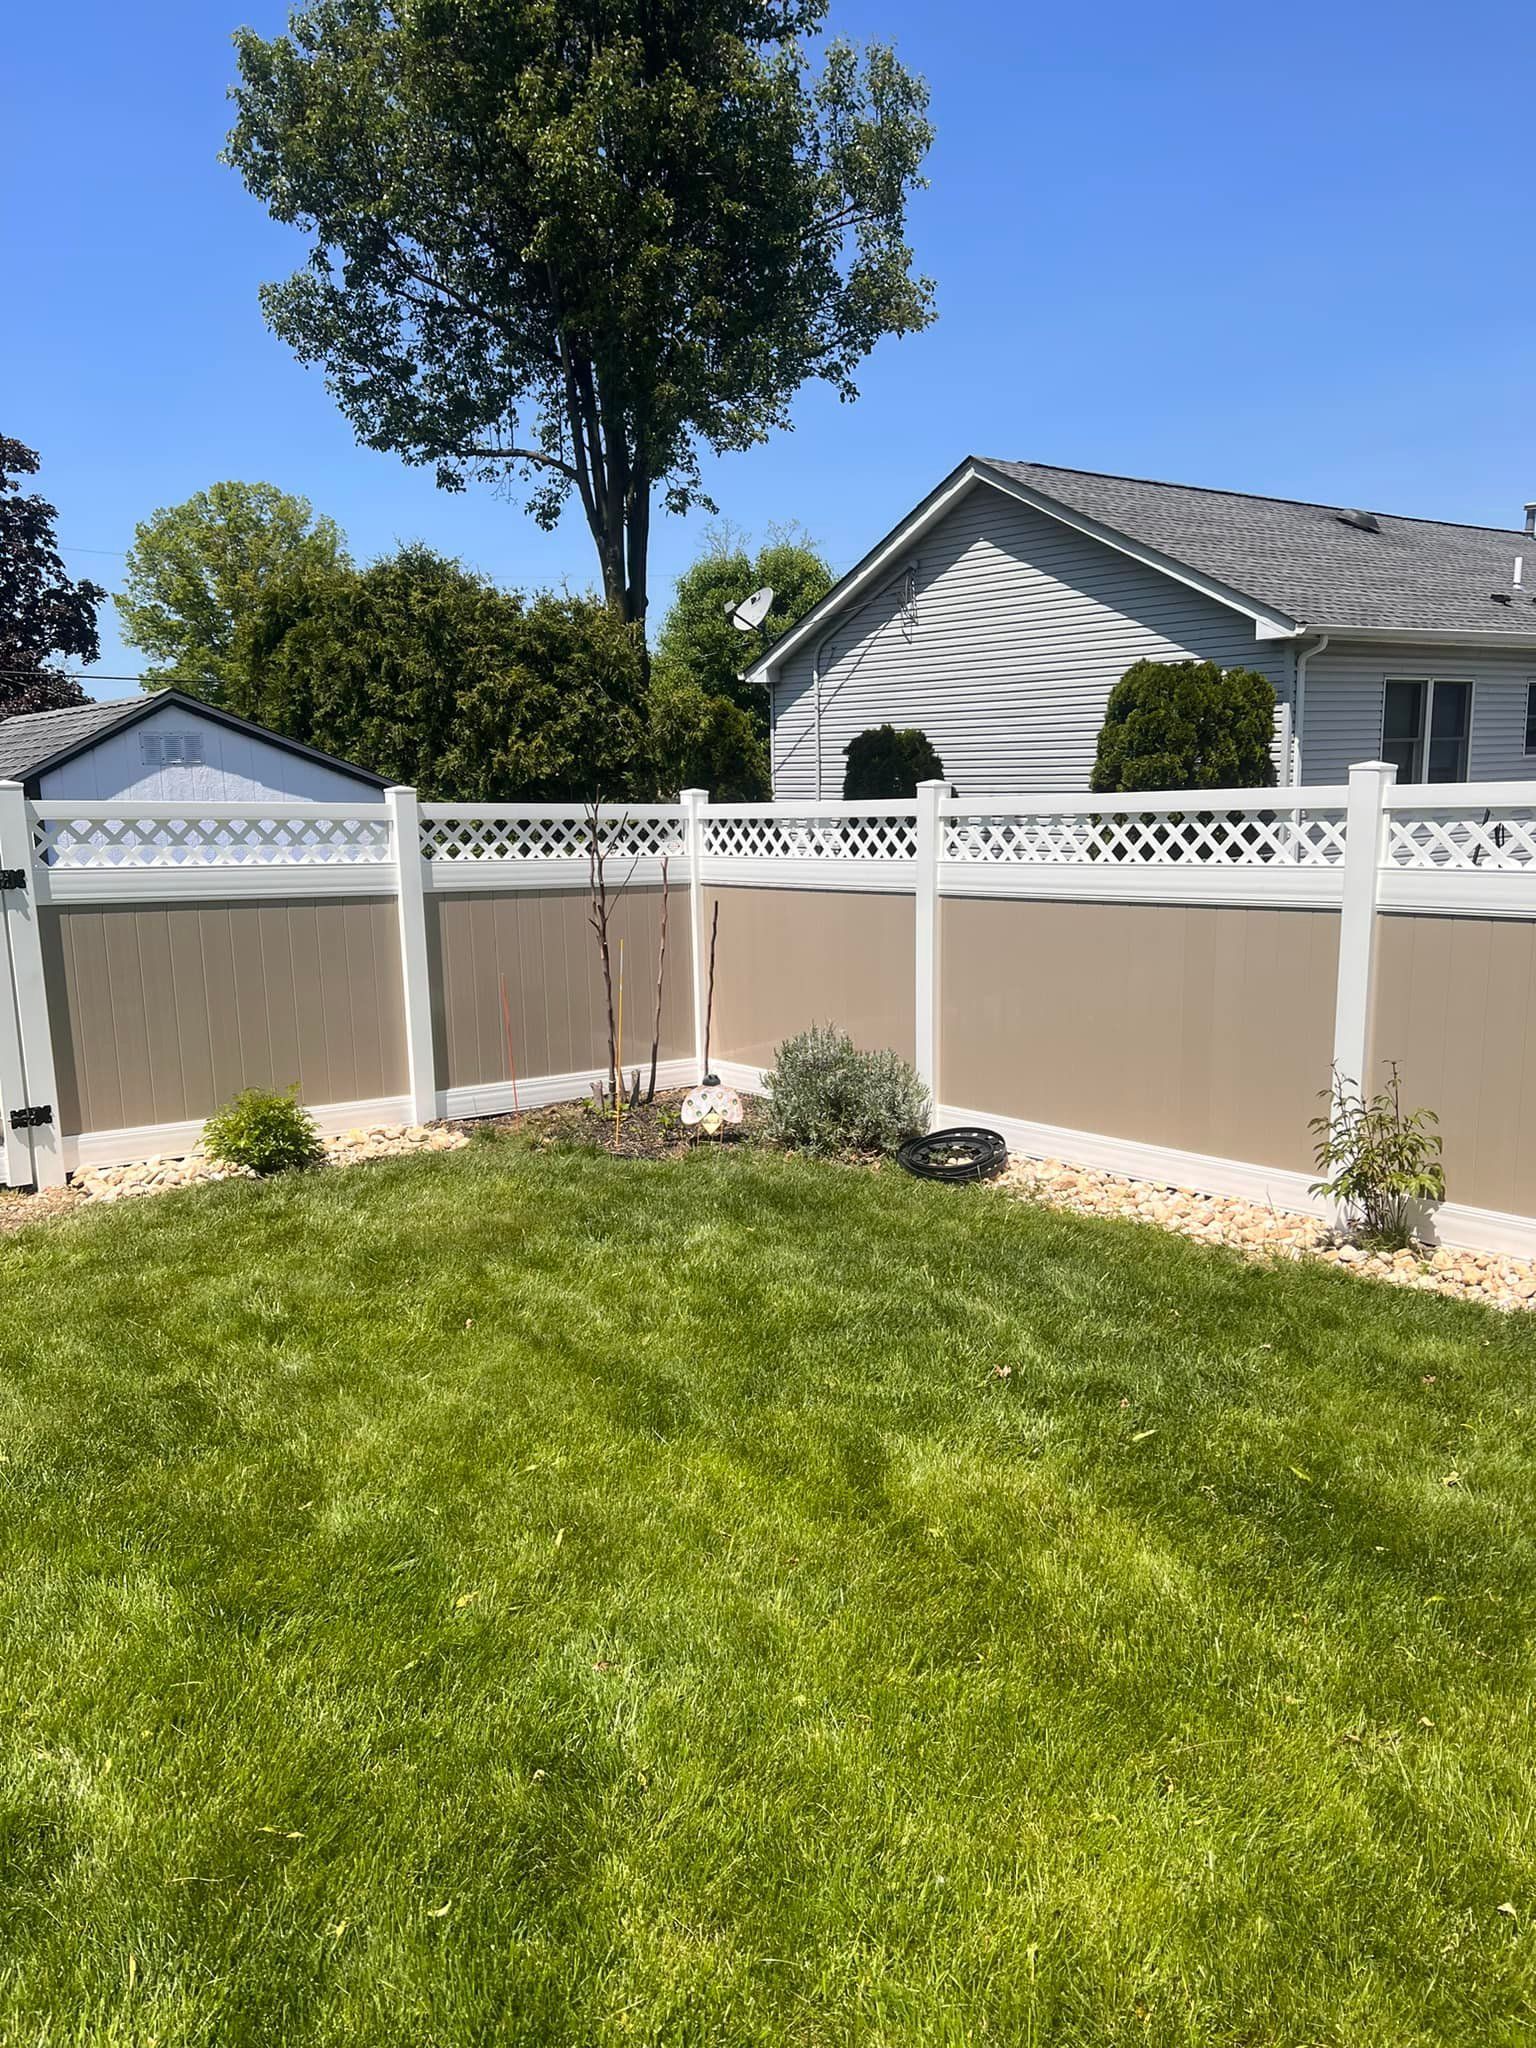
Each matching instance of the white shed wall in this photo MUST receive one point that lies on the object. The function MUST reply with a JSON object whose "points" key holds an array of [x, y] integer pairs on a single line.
{"points": [[237, 768]]}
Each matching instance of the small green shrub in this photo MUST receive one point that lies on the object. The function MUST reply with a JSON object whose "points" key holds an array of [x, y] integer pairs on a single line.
{"points": [[825, 1096], [883, 762], [263, 1132], [1380, 1160]]}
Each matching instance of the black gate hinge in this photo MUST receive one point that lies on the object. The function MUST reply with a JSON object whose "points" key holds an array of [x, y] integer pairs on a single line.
{"points": [[13, 878], [34, 1114]]}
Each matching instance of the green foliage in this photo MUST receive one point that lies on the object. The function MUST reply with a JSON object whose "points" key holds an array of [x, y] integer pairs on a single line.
{"points": [[431, 675], [200, 579], [1187, 725], [1380, 1160], [702, 741], [579, 256], [883, 762], [699, 645], [825, 1096], [44, 612], [263, 1132]]}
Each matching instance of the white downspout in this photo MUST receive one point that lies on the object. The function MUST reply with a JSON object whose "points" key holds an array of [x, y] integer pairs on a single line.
{"points": [[816, 689], [1299, 716]]}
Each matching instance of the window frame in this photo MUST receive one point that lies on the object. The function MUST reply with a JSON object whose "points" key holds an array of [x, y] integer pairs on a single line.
{"points": [[1428, 685], [1530, 714]]}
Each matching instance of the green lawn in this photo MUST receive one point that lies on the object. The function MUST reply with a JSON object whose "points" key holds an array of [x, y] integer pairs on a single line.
{"points": [[532, 1597]]}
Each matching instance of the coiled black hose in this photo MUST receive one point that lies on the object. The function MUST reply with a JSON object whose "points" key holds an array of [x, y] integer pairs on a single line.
{"points": [[964, 1153]]}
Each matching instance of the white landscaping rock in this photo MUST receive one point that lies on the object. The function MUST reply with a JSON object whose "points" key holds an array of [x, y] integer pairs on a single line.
{"points": [[149, 1176], [1263, 1233]]}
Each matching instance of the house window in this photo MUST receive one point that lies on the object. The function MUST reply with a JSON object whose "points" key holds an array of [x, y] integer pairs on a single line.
{"points": [[171, 749], [1530, 718], [1425, 729]]}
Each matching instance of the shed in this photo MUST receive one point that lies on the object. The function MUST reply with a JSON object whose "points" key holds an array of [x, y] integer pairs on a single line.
{"points": [[167, 747]]}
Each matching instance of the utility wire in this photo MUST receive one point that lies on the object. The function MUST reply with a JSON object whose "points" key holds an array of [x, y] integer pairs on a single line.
{"points": [[81, 676]]}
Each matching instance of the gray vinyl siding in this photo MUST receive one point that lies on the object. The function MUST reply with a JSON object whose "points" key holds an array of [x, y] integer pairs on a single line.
{"points": [[237, 768], [1345, 689], [1016, 630]]}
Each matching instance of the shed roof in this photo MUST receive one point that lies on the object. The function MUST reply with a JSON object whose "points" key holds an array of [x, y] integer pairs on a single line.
{"points": [[35, 741]]}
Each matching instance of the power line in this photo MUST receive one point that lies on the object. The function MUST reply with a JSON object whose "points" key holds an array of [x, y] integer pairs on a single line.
{"points": [[78, 676]]}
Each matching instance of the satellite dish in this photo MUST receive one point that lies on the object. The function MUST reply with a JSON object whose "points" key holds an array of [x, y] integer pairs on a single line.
{"points": [[747, 616]]}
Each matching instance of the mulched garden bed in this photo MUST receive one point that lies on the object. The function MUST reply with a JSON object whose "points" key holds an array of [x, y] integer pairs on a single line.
{"points": [[649, 1131]]}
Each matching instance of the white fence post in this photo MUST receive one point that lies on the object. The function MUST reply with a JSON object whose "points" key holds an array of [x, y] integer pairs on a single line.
{"points": [[1365, 822], [415, 968], [24, 944], [693, 802], [926, 949]]}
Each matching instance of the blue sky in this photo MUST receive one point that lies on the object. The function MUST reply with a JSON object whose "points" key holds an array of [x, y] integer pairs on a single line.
{"points": [[1282, 250]]}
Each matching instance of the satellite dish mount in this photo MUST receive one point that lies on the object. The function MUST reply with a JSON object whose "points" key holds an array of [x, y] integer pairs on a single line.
{"points": [[748, 616]]}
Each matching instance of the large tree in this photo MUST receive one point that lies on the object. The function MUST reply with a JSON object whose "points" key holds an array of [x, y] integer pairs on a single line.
{"points": [[198, 573], [44, 612], [574, 244], [698, 642]]}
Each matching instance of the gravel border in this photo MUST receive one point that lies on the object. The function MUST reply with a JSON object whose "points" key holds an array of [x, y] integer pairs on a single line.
{"points": [[1264, 1233], [193, 1169], [1247, 1227]]}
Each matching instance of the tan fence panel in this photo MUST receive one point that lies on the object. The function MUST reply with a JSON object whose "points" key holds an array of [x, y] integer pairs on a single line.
{"points": [[789, 958], [541, 942], [1206, 1030], [161, 1012], [1455, 1006]]}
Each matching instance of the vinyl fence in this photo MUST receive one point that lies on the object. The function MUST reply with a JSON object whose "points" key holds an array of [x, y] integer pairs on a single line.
{"points": [[1161, 984]]}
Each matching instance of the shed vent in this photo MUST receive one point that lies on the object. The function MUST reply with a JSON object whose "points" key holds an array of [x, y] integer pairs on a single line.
{"points": [[1366, 521]]}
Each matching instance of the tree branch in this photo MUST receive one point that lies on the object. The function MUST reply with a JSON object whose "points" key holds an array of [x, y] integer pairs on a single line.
{"points": [[499, 454]]}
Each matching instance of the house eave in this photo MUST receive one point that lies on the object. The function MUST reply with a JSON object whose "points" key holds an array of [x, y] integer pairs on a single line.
{"points": [[1429, 636]]}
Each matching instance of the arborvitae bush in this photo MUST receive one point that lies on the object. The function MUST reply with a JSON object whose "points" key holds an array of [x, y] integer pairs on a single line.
{"points": [[886, 763], [1187, 725]]}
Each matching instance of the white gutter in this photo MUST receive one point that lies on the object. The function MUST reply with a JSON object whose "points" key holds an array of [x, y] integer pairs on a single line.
{"points": [[1299, 716]]}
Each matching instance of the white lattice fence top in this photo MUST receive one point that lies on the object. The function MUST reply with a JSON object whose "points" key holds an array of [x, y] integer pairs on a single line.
{"points": [[60, 841], [1162, 838], [769, 835], [1453, 837], [452, 833]]}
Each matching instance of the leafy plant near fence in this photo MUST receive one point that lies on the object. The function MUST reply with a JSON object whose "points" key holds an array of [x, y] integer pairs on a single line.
{"points": [[1380, 1159], [263, 1132], [825, 1096]]}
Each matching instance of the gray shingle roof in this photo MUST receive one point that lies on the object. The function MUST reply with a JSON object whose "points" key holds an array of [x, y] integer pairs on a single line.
{"points": [[36, 736], [1421, 575]]}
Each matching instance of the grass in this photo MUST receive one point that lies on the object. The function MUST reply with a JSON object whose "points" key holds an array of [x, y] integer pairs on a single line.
{"points": [[538, 1598]]}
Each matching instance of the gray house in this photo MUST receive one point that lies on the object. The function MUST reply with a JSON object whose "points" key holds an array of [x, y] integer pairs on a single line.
{"points": [[1001, 612], [170, 748]]}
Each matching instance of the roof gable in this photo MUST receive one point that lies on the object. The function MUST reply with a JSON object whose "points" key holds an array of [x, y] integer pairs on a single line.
{"points": [[1290, 566], [35, 742]]}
